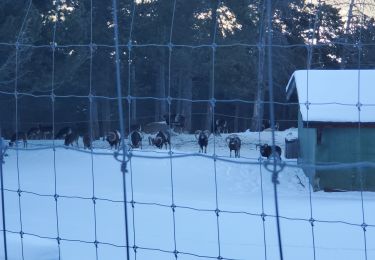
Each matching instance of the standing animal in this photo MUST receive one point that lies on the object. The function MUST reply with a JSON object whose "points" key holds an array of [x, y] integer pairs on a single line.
{"points": [[156, 141], [33, 133], [114, 139], [136, 139], [220, 126], [234, 143], [161, 139], [63, 132], [46, 131], [87, 143], [70, 139], [175, 121], [266, 150], [18, 136], [202, 138]]}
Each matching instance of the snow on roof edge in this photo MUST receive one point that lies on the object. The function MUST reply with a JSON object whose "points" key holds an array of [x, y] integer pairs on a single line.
{"points": [[334, 95], [289, 82]]}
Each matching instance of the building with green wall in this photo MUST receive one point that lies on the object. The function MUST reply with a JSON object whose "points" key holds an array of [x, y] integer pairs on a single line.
{"points": [[336, 127]]}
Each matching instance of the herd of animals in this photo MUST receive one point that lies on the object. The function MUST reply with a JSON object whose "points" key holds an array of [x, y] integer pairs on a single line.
{"points": [[160, 139]]}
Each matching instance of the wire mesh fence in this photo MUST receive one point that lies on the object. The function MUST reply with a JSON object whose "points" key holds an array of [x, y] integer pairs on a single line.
{"points": [[119, 64]]}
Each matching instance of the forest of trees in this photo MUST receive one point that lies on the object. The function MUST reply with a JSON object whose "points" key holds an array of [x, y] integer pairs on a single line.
{"points": [[337, 35]]}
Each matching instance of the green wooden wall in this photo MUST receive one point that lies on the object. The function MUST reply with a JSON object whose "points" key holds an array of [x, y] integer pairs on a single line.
{"points": [[307, 145], [338, 145], [346, 145]]}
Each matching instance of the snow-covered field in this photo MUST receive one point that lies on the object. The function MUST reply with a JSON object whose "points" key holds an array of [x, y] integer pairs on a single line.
{"points": [[243, 192]]}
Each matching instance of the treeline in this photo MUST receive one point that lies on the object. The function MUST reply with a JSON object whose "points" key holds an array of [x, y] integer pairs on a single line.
{"points": [[194, 50]]}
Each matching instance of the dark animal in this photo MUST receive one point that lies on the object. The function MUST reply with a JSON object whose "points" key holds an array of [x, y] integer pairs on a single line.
{"points": [[175, 121], [161, 139], [234, 143], [33, 133], [202, 138], [266, 151], [220, 126], [136, 139], [18, 136], [63, 132], [156, 141], [46, 131], [114, 139], [70, 139], [87, 143]]}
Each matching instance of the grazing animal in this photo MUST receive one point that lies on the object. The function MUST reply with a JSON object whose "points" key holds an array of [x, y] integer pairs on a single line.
{"points": [[46, 131], [234, 143], [63, 132], [18, 136], [175, 121], [202, 138], [70, 139], [220, 126], [161, 139], [87, 143], [266, 151], [156, 141], [136, 139], [33, 133], [114, 139]]}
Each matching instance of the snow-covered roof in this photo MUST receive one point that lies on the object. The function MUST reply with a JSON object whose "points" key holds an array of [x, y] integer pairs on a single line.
{"points": [[334, 95]]}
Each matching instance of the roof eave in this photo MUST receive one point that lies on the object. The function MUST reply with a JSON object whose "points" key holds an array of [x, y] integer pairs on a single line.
{"points": [[290, 87], [324, 124]]}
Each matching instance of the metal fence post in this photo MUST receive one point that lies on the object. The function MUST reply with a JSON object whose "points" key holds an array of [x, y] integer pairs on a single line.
{"points": [[2, 151]]}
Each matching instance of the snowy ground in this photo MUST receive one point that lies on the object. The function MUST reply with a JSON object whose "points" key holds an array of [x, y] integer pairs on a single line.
{"points": [[243, 192]]}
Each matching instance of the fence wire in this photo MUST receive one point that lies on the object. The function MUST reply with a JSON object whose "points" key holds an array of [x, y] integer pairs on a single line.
{"points": [[126, 155]]}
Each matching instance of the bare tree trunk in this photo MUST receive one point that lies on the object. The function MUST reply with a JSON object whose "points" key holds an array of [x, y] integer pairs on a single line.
{"points": [[258, 111], [157, 102], [210, 109], [317, 25], [95, 118], [181, 85], [347, 28], [349, 19], [187, 93], [133, 112], [211, 95], [236, 116], [160, 106], [105, 116]]}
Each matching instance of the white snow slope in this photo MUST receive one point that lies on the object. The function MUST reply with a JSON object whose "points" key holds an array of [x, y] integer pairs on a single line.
{"points": [[243, 192]]}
